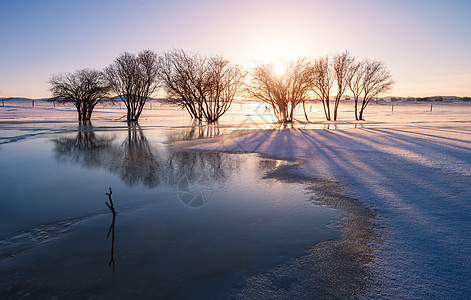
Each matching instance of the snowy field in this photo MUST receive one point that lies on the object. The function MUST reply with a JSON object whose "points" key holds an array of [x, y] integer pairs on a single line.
{"points": [[408, 162], [413, 167]]}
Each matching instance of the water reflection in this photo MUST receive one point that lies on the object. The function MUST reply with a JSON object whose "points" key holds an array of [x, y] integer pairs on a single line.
{"points": [[137, 161], [255, 225], [196, 130], [331, 126], [111, 230], [85, 148]]}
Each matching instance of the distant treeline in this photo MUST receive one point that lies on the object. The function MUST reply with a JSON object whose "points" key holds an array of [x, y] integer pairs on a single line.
{"points": [[347, 97], [424, 99]]}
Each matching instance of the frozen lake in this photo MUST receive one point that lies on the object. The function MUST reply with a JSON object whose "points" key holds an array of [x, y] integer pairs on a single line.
{"points": [[386, 211], [189, 224]]}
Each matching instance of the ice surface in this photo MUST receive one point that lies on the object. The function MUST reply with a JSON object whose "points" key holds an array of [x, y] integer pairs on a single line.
{"points": [[418, 178], [418, 175], [411, 162]]}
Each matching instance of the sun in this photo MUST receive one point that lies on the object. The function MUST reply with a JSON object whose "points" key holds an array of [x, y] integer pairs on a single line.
{"points": [[279, 69]]}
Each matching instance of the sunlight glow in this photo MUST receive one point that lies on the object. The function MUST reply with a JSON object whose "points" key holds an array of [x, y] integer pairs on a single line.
{"points": [[279, 69], [275, 47]]}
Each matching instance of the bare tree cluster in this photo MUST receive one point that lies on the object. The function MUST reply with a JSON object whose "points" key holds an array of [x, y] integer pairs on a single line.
{"points": [[304, 79], [205, 87], [368, 79], [282, 92], [134, 78], [84, 88], [365, 79], [342, 66], [322, 82]]}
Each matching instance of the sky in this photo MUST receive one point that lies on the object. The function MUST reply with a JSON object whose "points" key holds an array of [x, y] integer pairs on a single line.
{"points": [[425, 44]]}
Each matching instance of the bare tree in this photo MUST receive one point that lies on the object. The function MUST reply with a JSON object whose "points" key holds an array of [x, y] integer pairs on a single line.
{"points": [[282, 92], [355, 82], [368, 79], [224, 81], [205, 87], [322, 82], [134, 78], [84, 88], [342, 63], [181, 75]]}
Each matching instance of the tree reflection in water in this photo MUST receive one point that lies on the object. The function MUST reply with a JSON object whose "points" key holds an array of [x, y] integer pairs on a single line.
{"points": [[86, 148], [136, 161], [196, 130]]}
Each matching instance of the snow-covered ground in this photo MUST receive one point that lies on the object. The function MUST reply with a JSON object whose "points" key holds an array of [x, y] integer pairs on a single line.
{"points": [[418, 177], [411, 163]]}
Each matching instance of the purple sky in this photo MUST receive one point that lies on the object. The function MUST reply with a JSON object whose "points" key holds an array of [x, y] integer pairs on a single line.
{"points": [[425, 44]]}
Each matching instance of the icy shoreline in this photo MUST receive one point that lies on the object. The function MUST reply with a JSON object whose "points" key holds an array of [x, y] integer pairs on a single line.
{"points": [[336, 269], [417, 178]]}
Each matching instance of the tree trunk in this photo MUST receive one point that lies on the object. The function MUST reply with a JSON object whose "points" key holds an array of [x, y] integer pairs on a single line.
{"points": [[356, 109], [336, 107], [138, 114], [86, 112], [326, 110], [305, 114], [79, 112], [291, 113]]}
